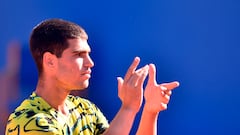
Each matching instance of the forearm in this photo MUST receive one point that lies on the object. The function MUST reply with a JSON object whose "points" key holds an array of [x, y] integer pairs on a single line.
{"points": [[148, 123], [122, 123]]}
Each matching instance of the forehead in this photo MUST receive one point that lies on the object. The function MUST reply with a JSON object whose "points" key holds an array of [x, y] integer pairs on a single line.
{"points": [[78, 44]]}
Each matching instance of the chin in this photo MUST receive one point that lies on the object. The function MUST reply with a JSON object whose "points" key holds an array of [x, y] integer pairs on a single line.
{"points": [[79, 86], [84, 85]]}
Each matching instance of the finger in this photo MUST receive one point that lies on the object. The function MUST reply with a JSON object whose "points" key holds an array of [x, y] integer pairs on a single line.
{"points": [[168, 92], [165, 99], [120, 82], [171, 85], [141, 69], [135, 78], [132, 68], [143, 76], [152, 74], [163, 106], [163, 88]]}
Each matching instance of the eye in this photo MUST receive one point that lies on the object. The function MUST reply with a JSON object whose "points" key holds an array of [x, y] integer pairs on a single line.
{"points": [[79, 54], [82, 54]]}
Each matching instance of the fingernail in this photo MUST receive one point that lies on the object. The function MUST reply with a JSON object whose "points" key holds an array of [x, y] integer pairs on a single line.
{"points": [[177, 83], [137, 58]]}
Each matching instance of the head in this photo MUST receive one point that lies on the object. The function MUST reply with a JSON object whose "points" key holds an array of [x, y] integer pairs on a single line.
{"points": [[60, 50]]}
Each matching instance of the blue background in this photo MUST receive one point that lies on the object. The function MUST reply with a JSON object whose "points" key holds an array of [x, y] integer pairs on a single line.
{"points": [[193, 41]]}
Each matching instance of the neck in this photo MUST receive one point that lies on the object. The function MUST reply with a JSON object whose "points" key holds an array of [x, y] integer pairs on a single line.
{"points": [[53, 95]]}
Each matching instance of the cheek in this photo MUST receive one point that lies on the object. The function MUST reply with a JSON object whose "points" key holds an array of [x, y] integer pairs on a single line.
{"points": [[79, 63], [64, 69], [70, 68]]}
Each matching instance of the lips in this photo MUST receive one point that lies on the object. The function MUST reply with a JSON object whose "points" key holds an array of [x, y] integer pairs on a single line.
{"points": [[88, 72]]}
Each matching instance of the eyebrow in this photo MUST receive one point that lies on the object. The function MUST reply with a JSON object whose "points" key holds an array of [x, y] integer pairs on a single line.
{"points": [[81, 51]]}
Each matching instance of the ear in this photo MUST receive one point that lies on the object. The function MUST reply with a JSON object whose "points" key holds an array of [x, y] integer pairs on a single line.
{"points": [[49, 60]]}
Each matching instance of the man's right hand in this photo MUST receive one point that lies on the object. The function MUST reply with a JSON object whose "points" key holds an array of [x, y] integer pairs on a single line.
{"points": [[130, 89]]}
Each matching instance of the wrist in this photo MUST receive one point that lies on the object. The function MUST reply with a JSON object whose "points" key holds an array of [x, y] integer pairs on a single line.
{"points": [[152, 109], [129, 109]]}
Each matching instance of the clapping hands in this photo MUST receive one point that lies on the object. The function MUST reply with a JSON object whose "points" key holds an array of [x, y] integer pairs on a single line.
{"points": [[130, 89]]}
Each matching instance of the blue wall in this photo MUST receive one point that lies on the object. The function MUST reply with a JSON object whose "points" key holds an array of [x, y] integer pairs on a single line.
{"points": [[194, 42]]}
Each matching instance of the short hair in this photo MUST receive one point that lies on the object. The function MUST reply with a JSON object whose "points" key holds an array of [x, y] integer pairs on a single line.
{"points": [[51, 36]]}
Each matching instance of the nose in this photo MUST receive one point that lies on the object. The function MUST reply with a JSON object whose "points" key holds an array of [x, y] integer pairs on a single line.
{"points": [[89, 62]]}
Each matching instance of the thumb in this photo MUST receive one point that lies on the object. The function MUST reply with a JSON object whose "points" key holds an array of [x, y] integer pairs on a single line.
{"points": [[152, 74], [120, 82]]}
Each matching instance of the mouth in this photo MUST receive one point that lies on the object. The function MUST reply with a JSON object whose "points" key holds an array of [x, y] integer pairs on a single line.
{"points": [[88, 73]]}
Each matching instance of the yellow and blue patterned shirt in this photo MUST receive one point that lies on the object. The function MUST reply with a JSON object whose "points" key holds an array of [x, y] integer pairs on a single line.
{"points": [[36, 117]]}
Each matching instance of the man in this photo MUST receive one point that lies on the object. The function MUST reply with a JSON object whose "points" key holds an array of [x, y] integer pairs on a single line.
{"points": [[62, 56], [9, 81]]}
